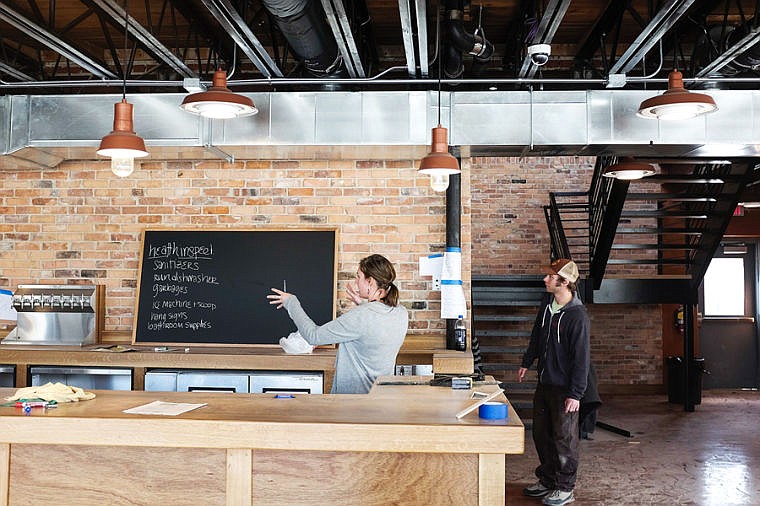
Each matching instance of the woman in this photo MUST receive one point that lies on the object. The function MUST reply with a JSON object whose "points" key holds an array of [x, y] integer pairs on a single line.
{"points": [[370, 335]]}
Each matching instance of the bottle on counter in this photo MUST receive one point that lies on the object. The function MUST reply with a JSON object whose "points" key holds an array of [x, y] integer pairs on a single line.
{"points": [[460, 334]]}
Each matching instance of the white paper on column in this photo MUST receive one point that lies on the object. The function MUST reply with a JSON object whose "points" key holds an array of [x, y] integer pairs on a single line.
{"points": [[452, 299], [6, 306], [431, 265], [452, 264], [453, 303]]}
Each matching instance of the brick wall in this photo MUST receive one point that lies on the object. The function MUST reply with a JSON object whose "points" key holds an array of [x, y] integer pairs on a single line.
{"points": [[509, 236], [509, 231], [80, 224]]}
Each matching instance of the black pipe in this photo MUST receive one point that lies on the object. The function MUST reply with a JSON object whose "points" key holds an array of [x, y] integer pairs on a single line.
{"points": [[458, 41], [748, 61], [453, 237], [688, 355], [453, 66], [304, 26]]}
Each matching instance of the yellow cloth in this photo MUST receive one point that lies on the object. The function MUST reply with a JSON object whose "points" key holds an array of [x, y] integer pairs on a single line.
{"points": [[57, 392]]}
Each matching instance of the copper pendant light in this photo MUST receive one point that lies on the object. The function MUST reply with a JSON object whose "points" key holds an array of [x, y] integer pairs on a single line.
{"points": [[629, 169], [123, 145], [219, 102], [676, 103], [439, 163]]}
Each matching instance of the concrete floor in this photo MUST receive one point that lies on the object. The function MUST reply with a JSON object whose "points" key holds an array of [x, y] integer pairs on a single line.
{"points": [[708, 457]]}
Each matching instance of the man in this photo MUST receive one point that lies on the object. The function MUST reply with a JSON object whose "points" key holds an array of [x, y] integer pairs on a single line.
{"points": [[560, 341]]}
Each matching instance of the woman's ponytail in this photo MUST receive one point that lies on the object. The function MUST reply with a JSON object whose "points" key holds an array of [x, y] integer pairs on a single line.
{"points": [[381, 270]]}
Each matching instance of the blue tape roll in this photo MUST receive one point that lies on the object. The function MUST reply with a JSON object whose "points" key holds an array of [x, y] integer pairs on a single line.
{"points": [[493, 411]]}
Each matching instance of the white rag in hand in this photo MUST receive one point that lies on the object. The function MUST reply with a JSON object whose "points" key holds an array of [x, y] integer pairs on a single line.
{"points": [[295, 344]]}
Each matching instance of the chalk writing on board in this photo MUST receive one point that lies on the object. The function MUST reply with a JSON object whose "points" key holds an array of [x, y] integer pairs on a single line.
{"points": [[206, 286], [172, 249], [171, 262]]}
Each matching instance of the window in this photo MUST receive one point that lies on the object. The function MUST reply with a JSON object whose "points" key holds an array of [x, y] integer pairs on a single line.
{"points": [[724, 287]]}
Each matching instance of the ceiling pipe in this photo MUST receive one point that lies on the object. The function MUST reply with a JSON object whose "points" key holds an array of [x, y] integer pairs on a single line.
{"points": [[271, 83], [463, 42], [303, 24], [748, 60]]}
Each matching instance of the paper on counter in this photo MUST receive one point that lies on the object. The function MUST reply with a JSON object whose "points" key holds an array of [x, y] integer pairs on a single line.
{"points": [[163, 408]]}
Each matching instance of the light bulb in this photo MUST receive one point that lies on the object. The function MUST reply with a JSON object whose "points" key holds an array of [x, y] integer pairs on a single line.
{"points": [[218, 110], [122, 165], [439, 182], [632, 175], [676, 112]]}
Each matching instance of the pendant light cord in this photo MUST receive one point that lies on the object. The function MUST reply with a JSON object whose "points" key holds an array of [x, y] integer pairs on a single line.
{"points": [[440, 60], [124, 67]]}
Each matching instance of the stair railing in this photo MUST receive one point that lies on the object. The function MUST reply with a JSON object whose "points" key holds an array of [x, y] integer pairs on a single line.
{"points": [[606, 201]]}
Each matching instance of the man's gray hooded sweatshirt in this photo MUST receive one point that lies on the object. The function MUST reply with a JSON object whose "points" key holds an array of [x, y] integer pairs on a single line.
{"points": [[560, 342], [369, 338]]}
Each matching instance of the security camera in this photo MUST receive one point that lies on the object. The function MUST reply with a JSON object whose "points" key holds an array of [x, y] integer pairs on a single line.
{"points": [[539, 53]]}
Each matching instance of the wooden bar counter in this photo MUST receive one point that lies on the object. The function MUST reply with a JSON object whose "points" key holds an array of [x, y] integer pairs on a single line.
{"points": [[399, 444], [144, 358]]}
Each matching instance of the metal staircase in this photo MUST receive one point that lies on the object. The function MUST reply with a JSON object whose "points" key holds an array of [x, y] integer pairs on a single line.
{"points": [[644, 241]]}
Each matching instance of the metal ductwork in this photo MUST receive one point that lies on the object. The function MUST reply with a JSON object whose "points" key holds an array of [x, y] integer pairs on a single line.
{"points": [[303, 24], [459, 41], [40, 131]]}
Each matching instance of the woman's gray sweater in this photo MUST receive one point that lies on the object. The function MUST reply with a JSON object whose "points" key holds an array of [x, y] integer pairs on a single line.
{"points": [[369, 335]]}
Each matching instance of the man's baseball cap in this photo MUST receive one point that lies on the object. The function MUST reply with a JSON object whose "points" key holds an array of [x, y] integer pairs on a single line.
{"points": [[564, 268]]}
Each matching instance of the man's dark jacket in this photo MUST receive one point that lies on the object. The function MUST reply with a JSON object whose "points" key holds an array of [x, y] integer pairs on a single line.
{"points": [[561, 343]]}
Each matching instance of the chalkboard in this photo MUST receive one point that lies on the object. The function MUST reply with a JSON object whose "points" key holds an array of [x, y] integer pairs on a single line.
{"points": [[209, 287]]}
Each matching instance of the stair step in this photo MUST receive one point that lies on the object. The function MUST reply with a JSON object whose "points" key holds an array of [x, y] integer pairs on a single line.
{"points": [[517, 350], [659, 230], [681, 197], [654, 246], [663, 213], [522, 388], [485, 302], [499, 367], [648, 261], [692, 179], [502, 333], [503, 318], [521, 405], [509, 289]]}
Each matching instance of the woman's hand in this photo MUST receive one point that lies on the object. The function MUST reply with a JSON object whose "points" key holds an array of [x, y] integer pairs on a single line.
{"points": [[353, 294], [279, 297]]}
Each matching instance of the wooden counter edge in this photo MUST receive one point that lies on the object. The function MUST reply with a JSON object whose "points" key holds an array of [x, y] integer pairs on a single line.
{"points": [[185, 433]]}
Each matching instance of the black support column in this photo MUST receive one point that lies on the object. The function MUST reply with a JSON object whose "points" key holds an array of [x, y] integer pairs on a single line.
{"points": [[453, 235], [688, 355]]}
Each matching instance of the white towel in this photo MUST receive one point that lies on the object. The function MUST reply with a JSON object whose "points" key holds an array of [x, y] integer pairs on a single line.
{"points": [[52, 392], [295, 344]]}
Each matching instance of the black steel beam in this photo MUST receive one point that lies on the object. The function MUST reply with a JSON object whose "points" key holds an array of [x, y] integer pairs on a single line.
{"points": [[645, 291]]}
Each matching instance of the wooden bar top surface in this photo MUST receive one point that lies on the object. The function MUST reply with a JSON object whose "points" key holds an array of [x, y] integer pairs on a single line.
{"points": [[145, 356], [394, 417]]}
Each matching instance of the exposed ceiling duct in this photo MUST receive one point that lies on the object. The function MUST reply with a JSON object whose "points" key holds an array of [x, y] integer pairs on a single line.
{"points": [[41, 131], [303, 24]]}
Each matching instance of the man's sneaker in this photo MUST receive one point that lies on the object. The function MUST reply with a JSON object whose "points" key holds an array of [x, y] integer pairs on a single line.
{"points": [[558, 498], [536, 490]]}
